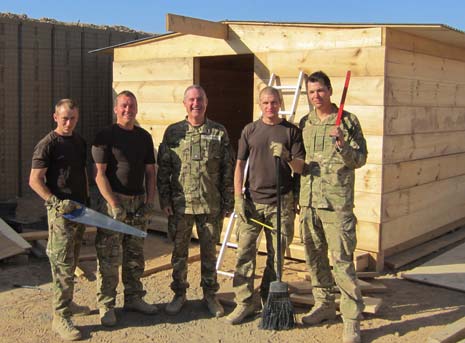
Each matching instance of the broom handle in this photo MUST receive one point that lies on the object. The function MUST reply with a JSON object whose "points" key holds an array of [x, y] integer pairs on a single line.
{"points": [[278, 218]]}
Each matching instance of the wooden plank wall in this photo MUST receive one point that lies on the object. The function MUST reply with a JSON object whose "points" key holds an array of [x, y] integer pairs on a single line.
{"points": [[158, 73], [424, 159], [40, 63]]}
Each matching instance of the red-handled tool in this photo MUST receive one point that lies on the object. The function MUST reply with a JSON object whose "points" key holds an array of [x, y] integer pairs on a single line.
{"points": [[343, 99]]}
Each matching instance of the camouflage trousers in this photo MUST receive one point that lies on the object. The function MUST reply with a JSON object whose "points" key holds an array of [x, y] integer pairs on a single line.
{"points": [[64, 244], [115, 249], [208, 229], [322, 230], [247, 236]]}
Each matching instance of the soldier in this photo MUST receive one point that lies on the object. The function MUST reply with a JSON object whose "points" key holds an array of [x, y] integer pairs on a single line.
{"points": [[327, 201], [124, 158], [58, 175], [259, 200], [195, 183]]}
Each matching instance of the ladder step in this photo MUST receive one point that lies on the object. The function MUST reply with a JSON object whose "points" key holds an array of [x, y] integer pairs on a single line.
{"points": [[286, 87]]}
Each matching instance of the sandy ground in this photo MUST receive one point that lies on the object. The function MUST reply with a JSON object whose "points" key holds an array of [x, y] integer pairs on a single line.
{"points": [[410, 311]]}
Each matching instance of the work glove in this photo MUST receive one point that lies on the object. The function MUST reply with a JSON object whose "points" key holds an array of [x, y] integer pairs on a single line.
{"points": [[279, 150], [239, 207], [146, 210], [61, 206], [118, 213]]}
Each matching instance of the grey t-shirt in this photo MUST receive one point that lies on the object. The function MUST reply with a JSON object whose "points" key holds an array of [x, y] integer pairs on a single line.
{"points": [[254, 144]]}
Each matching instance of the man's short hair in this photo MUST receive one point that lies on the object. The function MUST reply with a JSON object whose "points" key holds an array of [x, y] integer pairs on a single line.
{"points": [[68, 103], [125, 93], [195, 86], [270, 90], [320, 77]]}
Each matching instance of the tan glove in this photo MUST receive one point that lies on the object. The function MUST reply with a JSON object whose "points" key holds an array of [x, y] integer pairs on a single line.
{"points": [[61, 206], [239, 207], [146, 210], [118, 213], [279, 150]]}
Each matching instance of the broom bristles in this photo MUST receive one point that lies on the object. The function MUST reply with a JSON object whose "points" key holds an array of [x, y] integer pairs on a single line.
{"points": [[278, 313]]}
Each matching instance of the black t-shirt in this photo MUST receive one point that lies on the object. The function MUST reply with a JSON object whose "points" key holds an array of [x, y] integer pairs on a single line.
{"points": [[254, 144], [65, 160], [126, 152]]}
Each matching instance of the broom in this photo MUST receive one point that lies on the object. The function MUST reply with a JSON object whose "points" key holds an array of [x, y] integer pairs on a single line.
{"points": [[278, 313]]}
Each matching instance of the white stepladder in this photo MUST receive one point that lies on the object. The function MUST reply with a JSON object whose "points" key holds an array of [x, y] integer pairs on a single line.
{"points": [[297, 89]]}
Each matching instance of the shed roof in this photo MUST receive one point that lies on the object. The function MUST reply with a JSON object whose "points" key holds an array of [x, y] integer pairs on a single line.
{"points": [[438, 32]]}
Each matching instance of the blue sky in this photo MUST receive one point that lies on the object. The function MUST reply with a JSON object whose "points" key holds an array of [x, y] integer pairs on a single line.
{"points": [[149, 15]]}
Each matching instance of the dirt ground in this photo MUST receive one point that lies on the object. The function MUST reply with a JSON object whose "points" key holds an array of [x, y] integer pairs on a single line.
{"points": [[410, 311]]}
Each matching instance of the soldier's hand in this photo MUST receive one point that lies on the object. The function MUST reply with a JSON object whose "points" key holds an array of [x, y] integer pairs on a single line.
{"points": [[168, 211], [61, 206], [146, 210], [118, 213], [279, 150], [239, 207], [338, 135]]}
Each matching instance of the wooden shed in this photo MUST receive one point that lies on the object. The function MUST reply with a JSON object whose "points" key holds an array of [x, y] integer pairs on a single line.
{"points": [[407, 89]]}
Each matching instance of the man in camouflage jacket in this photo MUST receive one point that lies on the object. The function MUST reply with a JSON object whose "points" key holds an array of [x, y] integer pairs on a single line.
{"points": [[327, 202], [195, 184]]}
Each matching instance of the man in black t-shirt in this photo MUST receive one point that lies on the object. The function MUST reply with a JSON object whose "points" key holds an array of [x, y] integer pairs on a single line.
{"points": [[125, 175], [58, 175], [259, 201]]}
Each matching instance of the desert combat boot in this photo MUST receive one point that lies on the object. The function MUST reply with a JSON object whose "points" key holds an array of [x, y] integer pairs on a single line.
{"points": [[64, 327], [241, 312], [78, 310], [139, 305], [213, 305], [175, 306], [351, 332], [319, 313], [107, 316]]}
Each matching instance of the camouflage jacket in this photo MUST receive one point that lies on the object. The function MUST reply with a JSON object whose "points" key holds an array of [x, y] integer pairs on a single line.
{"points": [[328, 178], [195, 168]]}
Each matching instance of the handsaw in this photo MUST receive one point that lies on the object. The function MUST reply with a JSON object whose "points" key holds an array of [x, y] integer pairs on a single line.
{"points": [[88, 216]]}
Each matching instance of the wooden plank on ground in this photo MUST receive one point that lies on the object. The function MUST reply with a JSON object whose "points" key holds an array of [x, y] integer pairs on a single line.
{"points": [[159, 265], [7, 231], [8, 248], [194, 26], [446, 270], [372, 305], [450, 334], [305, 287], [410, 255], [360, 275]]}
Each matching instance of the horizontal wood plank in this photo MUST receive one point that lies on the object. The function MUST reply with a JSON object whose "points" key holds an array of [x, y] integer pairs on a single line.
{"points": [[413, 92], [434, 194], [421, 146], [407, 174], [418, 66], [252, 39], [423, 119], [362, 61], [405, 41], [161, 69]]}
